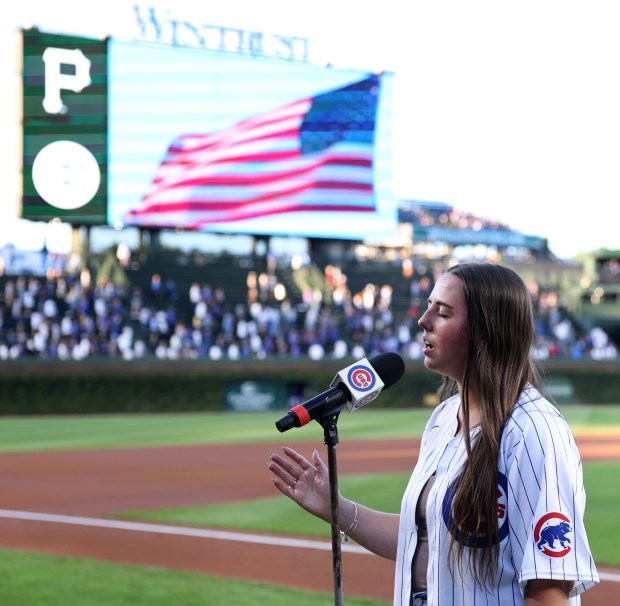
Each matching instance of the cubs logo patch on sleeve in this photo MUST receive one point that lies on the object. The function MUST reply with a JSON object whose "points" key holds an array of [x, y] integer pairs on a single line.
{"points": [[551, 534]]}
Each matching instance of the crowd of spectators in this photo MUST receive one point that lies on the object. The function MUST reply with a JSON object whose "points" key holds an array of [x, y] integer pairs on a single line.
{"points": [[445, 215], [68, 317]]}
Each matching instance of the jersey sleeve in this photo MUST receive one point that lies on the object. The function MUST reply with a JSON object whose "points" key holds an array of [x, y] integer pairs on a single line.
{"points": [[546, 500]]}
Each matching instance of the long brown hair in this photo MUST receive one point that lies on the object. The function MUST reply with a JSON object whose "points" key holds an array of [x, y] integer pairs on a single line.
{"points": [[500, 329]]}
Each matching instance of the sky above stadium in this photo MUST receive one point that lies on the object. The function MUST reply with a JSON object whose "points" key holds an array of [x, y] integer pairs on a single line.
{"points": [[506, 110]]}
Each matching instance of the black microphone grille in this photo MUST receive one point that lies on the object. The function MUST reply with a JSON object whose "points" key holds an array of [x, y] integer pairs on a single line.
{"points": [[389, 366]]}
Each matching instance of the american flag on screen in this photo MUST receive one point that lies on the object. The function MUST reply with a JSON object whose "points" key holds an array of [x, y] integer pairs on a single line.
{"points": [[314, 154]]}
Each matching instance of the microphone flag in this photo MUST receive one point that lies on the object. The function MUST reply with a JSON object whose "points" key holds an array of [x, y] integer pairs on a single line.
{"points": [[362, 381]]}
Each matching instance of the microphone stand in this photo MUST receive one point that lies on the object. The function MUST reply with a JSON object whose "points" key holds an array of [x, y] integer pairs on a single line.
{"points": [[329, 422]]}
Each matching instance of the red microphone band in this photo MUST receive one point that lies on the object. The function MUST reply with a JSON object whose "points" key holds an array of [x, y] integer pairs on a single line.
{"points": [[302, 414]]}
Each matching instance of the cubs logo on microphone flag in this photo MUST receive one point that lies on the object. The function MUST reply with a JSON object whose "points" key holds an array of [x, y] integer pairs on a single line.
{"points": [[313, 154]]}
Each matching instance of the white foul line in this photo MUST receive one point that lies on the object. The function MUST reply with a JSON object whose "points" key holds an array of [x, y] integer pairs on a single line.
{"points": [[609, 576], [203, 533]]}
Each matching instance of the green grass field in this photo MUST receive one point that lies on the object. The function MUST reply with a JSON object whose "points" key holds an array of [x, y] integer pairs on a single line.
{"points": [[42, 580], [42, 433], [119, 431]]}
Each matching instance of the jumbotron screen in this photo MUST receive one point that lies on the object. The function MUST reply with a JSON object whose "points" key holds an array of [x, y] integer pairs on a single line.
{"points": [[219, 142]]}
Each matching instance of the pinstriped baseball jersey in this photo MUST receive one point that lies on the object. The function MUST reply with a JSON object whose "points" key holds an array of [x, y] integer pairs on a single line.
{"points": [[540, 505]]}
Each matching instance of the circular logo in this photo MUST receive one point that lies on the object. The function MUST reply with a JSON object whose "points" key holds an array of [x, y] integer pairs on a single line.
{"points": [[478, 539], [66, 175], [550, 534], [362, 378], [363, 401]]}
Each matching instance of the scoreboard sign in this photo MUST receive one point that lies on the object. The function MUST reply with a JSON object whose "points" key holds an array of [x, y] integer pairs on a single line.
{"points": [[127, 133], [65, 128]]}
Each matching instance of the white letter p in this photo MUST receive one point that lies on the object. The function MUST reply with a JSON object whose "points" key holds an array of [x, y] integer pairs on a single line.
{"points": [[55, 81]]}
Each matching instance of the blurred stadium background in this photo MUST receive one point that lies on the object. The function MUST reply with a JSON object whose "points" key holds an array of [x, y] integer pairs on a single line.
{"points": [[244, 213], [227, 242]]}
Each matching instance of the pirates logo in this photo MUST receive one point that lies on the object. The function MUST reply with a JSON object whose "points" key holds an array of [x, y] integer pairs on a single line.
{"points": [[478, 540], [550, 534]]}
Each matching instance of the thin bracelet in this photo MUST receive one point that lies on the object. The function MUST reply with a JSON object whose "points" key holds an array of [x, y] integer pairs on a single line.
{"points": [[345, 534]]}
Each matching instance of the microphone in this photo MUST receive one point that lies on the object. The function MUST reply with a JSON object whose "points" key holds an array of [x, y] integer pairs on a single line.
{"points": [[353, 387]]}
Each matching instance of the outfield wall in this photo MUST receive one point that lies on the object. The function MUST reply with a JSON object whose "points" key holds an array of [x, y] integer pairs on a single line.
{"points": [[106, 386]]}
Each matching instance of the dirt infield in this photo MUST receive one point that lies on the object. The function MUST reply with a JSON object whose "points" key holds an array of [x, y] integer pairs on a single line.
{"points": [[81, 490]]}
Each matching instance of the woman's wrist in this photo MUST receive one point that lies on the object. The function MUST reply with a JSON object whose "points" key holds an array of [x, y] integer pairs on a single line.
{"points": [[347, 529]]}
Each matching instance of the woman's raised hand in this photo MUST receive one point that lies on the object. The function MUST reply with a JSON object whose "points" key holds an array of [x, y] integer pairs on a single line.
{"points": [[305, 482]]}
